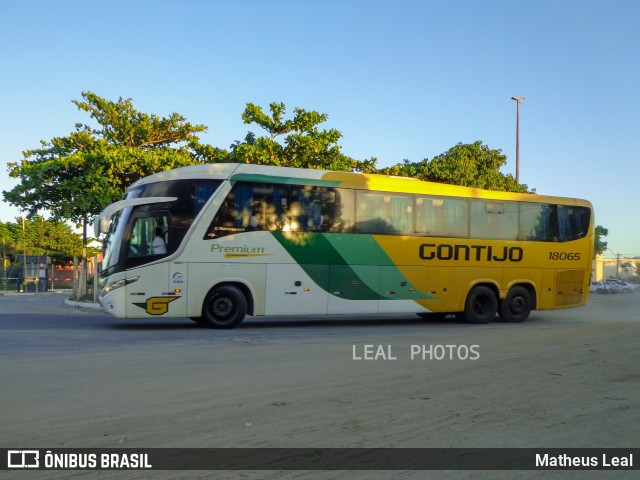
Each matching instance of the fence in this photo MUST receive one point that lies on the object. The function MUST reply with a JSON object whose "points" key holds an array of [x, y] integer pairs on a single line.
{"points": [[58, 279]]}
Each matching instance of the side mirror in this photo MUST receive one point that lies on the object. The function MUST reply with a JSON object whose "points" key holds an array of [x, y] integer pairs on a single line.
{"points": [[104, 225], [100, 225]]}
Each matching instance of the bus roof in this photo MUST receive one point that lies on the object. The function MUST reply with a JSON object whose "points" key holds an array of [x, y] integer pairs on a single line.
{"points": [[375, 182]]}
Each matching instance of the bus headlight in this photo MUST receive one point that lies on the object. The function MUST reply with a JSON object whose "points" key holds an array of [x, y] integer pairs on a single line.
{"points": [[120, 283]]}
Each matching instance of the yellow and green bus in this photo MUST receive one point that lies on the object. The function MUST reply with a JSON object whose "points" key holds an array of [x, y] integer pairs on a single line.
{"points": [[217, 242]]}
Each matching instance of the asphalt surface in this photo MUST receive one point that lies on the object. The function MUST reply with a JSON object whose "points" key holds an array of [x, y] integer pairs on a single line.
{"points": [[72, 377]]}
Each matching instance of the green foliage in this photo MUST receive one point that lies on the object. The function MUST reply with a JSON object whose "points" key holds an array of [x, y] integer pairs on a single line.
{"points": [[123, 125], [76, 176], [600, 246], [40, 237], [304, 145], [470, 165], [626, 267], [8, 245]]}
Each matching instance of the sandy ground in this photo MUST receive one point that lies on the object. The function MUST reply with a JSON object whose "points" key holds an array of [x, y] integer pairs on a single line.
{"points": [[563, 379]]}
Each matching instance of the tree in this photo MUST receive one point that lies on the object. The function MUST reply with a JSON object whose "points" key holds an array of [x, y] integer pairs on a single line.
{"points": [[40, 237], [626, 267], [8, 245], [599, 245], [76, 176], [8, 253], [471, 165], [303, 145]]}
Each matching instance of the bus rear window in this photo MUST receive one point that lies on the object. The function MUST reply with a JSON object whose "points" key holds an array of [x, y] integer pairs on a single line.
{"points": [[573, 222]]}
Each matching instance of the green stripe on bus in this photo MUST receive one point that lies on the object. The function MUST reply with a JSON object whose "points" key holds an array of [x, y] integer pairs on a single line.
{"points": [[315, 182], [358, 249], [348, 266], [312, 251], [309, 248]]}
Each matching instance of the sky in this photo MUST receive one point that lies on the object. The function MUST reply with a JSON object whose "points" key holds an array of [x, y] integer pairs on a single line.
{"points": [[401, 79]]}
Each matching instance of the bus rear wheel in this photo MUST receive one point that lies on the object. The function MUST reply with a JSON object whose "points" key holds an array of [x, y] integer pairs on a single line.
{"points": [[224, 307], [481, 305], [516, 306]]}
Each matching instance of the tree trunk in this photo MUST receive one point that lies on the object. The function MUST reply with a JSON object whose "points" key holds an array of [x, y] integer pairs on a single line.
{"points": [[82, 290], [75, 278]]}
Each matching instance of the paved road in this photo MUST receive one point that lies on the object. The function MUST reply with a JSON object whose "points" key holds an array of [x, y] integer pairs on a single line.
{"points": [[77, 378]]}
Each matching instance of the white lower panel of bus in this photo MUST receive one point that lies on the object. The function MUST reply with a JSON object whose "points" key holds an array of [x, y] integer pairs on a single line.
{"points": [[400, 306], [291, 291]]}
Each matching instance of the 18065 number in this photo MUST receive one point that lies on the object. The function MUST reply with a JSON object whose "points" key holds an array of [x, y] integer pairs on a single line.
{"points": [[564, 256]]}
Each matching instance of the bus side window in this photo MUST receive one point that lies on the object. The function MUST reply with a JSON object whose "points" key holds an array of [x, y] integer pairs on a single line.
{"points": [[494, 220], [442, 217], [384, 213], [312, 209], [537, 222], [251, 207], [573, 222], [338, 210], [234, 214]]}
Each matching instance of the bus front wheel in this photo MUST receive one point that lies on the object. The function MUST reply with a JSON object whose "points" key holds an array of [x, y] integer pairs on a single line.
{"points": [[481, 305], [517, 305], [224, 307]]}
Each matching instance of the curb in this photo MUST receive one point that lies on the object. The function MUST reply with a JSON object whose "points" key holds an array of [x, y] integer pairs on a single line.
{"points": [[31, 294], [85, 305]]}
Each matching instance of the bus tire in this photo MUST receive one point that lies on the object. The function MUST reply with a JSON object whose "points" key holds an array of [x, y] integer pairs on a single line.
{"points": [[516, 306], [225, 306], [481, 305]]}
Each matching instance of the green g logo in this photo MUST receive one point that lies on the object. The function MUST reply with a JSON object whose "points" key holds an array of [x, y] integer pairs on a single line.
{"points": [[157, 305]]}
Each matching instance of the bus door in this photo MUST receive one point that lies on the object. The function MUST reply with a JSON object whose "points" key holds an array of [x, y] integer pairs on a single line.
{"points": [[148, 296]]}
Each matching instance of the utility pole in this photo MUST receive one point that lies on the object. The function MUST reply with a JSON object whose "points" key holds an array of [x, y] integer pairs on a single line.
{"points": [[518, 100]]}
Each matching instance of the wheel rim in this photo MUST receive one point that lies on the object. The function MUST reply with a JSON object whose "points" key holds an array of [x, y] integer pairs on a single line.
{"points": [[221, 307]]}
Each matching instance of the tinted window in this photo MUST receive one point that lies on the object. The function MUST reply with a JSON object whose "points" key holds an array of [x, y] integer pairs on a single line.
{"points": [[573, 222], [251, 206], [295, 208], [538, 222], [316, 209], [494, 220], [306, 208], [442, 217], [342, 212]]}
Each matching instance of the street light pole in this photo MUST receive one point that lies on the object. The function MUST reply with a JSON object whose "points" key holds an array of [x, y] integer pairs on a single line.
{"points": [[518, 100]]}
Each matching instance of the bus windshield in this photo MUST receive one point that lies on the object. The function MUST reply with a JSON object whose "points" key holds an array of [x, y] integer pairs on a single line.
{"points": [[111, 245], [143, 233]]}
